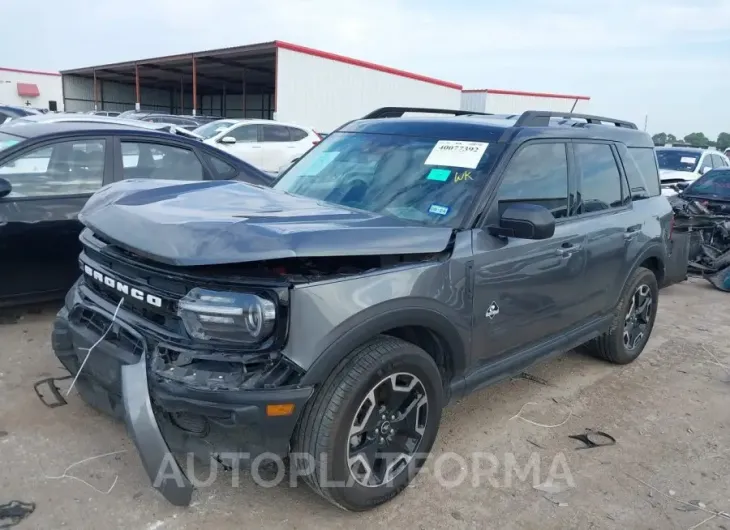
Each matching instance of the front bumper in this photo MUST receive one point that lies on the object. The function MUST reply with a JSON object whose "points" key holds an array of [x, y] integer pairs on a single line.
{"points": [[166, 417]]}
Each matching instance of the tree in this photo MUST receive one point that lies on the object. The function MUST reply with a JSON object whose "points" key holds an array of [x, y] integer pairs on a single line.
{"points": [[723, 141], [697, 139], [663, 138], [671, 139]]}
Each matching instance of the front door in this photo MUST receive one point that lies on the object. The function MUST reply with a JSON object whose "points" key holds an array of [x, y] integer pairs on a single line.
{"points": [[528, 290], [248, 146], [278, 148], [39, 230]]}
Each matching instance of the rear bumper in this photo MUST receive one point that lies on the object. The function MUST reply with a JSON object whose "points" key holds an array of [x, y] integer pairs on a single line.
{"points": [[165, 417]]}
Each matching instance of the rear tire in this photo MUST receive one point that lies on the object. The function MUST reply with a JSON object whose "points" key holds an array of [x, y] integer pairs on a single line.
{"points": [[385, 397], [632, 322]]}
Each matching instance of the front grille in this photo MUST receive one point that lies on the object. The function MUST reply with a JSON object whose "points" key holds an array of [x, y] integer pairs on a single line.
{"points": [[99, 324]]}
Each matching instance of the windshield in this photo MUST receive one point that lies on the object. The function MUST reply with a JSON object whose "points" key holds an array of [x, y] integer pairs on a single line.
{"points": [[714, 183], [426, 180], [678, 159], [8, 140], [209, 130]]}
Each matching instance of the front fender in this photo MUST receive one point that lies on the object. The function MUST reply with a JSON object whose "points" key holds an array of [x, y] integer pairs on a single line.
{"points": [[381, 318]]}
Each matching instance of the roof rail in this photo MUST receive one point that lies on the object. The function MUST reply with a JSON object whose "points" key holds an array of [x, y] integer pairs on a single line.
{"points": [[398, 112], [539, 118]]}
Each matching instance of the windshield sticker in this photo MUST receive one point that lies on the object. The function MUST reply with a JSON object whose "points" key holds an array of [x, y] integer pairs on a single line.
{"points": [[442, 175], [456, 154], [320, 162], [438, 209], [688, 160], [461, 177]]}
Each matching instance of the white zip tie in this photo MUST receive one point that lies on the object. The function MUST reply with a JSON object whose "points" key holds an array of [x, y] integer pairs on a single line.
{"points": [[66, 475], [114, 317]]}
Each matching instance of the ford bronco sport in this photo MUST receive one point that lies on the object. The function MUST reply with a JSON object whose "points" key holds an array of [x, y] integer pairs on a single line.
{"points": [[400, 264]]}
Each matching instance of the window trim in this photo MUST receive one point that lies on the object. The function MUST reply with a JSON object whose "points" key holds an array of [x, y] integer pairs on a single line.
{"points": [[627, 203], [118, 157], [106, 178], [490, 210]]}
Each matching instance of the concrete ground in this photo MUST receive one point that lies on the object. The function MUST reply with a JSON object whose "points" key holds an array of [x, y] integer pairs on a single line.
{"points": [[670, 468]]}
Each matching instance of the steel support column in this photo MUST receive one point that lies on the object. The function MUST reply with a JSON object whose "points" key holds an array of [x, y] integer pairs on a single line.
{"points": [[137, 105], [195, 87]]}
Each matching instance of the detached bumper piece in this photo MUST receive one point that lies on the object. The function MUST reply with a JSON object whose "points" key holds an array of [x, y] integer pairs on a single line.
{"points": [[173, 403], [708, 227]]}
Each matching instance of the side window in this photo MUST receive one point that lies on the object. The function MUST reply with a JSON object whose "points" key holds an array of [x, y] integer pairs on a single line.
{"points": [[223, 170], [706, 163], [297, 134], [647, 178], [717, 161], [160, 161], [245, 133], [275, 133], [600, 186], [64, 168], [537, 174]]}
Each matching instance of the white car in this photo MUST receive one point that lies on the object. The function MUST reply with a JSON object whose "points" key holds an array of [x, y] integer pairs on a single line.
{"points": [[686, 164], [268, 145]]}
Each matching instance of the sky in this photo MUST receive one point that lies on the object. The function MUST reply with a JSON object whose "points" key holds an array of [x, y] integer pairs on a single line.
{"points": [[668, 60]]}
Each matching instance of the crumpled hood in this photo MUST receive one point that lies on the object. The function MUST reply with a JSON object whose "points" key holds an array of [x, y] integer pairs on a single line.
{"points": [[671, 174], [209, 223]]}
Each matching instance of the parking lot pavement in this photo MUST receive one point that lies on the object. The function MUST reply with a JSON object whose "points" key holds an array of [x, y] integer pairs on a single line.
{"points": [[670, 467]]}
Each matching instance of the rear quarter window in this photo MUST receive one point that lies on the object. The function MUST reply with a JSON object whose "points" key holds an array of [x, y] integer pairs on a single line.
{"points": [[643, 173]]}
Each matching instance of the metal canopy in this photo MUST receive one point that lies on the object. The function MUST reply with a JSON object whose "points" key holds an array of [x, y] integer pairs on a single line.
{"points": [[215, 70]]}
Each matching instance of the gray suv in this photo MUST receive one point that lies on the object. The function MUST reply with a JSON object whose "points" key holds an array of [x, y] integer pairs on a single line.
{"points": [[400, 264]]}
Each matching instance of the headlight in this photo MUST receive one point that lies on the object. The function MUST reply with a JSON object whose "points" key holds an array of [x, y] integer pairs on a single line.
{"points": [[232, 317]]}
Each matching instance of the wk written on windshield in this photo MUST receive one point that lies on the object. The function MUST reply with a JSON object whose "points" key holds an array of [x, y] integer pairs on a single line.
{"points": [[425, 180]]}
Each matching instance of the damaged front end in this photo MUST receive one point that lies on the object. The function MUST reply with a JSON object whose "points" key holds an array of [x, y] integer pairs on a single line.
{"points": [[708, 223]]}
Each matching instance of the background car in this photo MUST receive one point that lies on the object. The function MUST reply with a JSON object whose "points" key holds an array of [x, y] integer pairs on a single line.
{"points": [[268, 145], [9, 112], [49, 170], [686, 164], [104, 113]]}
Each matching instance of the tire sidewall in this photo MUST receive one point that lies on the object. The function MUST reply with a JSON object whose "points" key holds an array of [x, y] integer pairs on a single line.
{"points": [[348, 491]]}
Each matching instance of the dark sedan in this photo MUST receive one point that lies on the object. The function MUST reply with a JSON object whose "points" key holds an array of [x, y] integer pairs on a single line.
{"points": [[49, 170]]}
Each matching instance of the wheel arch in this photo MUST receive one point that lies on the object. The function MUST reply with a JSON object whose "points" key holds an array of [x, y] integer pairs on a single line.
{"points": [[427, 328]]}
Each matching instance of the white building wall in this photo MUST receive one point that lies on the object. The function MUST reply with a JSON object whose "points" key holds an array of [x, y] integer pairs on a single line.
{"points": [[49, 86], [485, 101], [325, 93]]}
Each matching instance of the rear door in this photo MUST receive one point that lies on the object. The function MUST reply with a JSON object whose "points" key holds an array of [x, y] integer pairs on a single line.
{"points": [[39, 230], [278, 147], [613, 228]]}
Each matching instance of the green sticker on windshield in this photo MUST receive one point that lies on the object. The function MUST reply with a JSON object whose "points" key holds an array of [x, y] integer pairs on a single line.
{"points": [[442, 175]]}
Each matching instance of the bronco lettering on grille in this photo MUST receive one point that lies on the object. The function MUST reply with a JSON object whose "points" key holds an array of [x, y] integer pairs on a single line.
{"points": [[123, 288]]}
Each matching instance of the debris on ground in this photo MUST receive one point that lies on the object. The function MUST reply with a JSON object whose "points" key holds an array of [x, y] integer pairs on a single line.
{"points": [[709, 227], [590, 437], [12, 513]]}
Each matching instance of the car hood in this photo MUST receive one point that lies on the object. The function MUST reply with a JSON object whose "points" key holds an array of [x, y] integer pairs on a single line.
{"points": [[210, 223], [671, 174]]}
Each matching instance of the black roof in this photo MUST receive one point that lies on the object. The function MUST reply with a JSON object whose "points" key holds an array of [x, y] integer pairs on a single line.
{"points": [[464, 125]]}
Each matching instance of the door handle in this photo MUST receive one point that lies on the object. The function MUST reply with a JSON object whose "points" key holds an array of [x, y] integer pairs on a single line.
{"points": [[567, 250], [255, 147], [632, 232]]}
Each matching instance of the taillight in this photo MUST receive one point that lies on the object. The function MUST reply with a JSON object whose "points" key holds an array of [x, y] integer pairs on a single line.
{"points": [[319, 138]]}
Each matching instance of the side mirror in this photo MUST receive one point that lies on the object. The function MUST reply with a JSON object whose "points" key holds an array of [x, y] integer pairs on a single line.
{"points": [[525, 221], [679, 186], [227, 140], [5, 188]]}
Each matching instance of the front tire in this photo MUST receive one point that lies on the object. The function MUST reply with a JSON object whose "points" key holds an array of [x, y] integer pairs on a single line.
{"points": [[370, 427], [633, 320]]}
